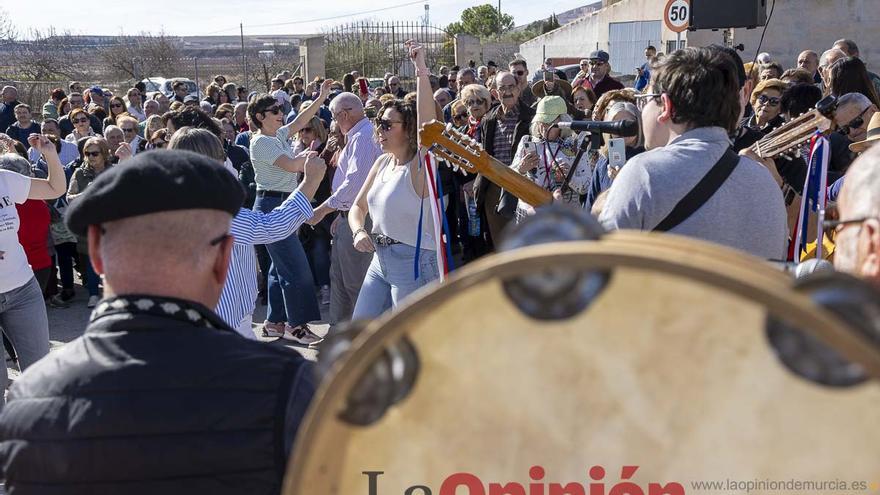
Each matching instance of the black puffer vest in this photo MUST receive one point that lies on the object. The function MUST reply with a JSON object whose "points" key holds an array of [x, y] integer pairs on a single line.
{"points": [[146, 403]]}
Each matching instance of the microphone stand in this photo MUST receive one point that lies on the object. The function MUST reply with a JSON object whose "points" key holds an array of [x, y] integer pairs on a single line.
{"points": [[593, 143]]}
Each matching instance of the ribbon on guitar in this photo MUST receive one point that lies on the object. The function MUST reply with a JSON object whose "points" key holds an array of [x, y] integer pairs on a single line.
{"points": [[814, 198], [441, 227]]}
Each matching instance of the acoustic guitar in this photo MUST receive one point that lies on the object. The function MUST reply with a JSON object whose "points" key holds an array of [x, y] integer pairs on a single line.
{"points": [[463, 153]]}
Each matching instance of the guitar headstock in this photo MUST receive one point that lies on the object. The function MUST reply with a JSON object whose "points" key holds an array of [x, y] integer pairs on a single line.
{"points": [[458, 149], [789, 137]]}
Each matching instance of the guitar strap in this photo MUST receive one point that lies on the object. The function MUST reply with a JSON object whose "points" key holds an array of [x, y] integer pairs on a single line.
{"points": [[701, 193]]}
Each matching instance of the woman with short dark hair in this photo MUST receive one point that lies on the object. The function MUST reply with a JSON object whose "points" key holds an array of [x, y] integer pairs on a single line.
{"points": [[292, 300]]}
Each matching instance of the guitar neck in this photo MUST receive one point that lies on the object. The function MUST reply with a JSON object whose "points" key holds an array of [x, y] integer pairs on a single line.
{"points": [[518, 185]]}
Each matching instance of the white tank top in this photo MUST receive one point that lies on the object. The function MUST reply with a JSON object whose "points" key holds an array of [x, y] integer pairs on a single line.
{"points": [[394, 204]]}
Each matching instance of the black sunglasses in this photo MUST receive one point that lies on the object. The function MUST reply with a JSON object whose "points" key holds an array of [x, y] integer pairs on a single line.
{"points": [[92, 153], [459, 116], [273, 110], [769, 100], [520, 72], [386, 124], [853, 124], [80, 121]]}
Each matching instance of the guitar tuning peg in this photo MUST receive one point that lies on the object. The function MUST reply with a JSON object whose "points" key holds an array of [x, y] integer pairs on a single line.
{"points": [[455, 167], [449, 126], [463, 171]]}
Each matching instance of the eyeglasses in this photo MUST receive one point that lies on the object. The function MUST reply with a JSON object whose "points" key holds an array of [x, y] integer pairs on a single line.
{"points": [[306, 129], [769, 100], [92, 154], [477, 102], [838, 225], [642, 100], [128, 130], [460, 116], [596, 63], [160, 144], [519, 73], [273, 110], [853, 124], [385, 124], [81, 121]]}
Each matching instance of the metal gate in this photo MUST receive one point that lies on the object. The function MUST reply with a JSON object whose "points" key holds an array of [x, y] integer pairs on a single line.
{"points": [[627, 42], [374, 49]]}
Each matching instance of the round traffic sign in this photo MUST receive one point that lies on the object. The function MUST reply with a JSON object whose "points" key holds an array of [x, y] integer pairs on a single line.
{"points": [[677, 15]]}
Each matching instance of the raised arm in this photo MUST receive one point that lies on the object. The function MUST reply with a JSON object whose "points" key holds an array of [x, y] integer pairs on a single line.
{"points": [[302, 118], [55, 185], [425, 104]]}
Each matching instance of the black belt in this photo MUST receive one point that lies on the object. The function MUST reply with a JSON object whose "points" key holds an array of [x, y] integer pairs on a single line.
{"points": [[343, 213], [272, 194], [384, 240]]}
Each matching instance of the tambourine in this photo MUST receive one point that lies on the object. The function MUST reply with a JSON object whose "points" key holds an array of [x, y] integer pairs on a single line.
{"points": [[645, 363]]}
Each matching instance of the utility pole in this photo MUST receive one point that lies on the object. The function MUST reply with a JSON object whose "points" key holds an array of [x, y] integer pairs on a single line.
{"points": [[243, 56], [499, 18]]}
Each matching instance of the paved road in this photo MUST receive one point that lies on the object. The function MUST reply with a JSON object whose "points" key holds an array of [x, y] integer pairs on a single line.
{"points": [[68, 323]]}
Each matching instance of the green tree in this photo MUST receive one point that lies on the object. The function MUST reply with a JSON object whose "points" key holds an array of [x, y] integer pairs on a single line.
{"points": [[550, 24], [482, 21]]}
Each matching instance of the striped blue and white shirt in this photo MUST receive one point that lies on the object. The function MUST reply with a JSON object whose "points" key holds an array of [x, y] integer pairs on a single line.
{"points": [[248, 228]]}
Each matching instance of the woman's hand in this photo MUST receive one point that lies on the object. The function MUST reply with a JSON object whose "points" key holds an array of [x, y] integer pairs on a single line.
{"points": [[363, 243], [529, 162], [123, 152], [43, 144], [416, 54], [325, 89]]}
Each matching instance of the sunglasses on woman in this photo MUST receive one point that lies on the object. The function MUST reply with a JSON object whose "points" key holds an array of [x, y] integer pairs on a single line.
{"points": [[80, 121], [92, 154], [273, 110], [476, 102], [772, 101], [460, 116], [386, 124], [159, 144]]}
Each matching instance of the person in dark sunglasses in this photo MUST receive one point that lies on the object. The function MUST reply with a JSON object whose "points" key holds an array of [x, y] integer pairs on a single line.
{"points": [[292, 300], [766, 99]]}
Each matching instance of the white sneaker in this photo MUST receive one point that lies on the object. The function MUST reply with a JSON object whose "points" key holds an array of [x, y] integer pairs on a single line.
{"points": [[93, 301], [325, 295], [274, 330], [301, 335]]}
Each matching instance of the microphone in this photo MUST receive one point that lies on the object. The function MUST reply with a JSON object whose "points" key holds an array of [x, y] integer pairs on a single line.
{"points": [[624, 128]]}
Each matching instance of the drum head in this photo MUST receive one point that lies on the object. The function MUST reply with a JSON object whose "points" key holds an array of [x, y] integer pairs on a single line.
{"points": [[669, 369]]}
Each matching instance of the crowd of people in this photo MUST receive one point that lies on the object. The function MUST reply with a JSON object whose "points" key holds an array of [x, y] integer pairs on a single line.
{"points": [[317, 195]]}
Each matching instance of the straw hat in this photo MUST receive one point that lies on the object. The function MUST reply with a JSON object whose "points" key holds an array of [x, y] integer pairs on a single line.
{"points": [[873, 135], [561, 88]]}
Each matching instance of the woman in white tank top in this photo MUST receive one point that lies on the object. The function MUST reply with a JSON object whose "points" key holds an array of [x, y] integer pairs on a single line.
{"points": [[396, 197]]}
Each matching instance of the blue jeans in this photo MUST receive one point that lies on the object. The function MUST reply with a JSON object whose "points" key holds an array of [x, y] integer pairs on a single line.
{"points": [[291, 289], [92, 278], [391, 278], [25, 323]]}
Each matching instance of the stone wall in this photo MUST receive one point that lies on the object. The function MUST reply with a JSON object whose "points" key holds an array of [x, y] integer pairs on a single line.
{"points": [[469, 48]]}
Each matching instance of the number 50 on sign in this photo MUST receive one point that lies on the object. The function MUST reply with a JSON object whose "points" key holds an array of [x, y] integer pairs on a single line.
{"points": [[677, 15]]}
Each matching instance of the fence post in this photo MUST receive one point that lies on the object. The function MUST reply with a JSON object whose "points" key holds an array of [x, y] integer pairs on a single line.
{"points": [[198, 87]]}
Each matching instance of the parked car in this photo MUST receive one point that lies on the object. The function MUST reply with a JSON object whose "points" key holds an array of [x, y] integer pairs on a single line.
{"points": [[163, 85]]}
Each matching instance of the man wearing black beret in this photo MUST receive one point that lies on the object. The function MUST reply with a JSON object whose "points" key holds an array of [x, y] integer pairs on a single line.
{"points": [[158, 395]]}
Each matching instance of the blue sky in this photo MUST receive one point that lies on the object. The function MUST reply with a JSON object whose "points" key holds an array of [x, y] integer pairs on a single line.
{"points": [[203, 17]]}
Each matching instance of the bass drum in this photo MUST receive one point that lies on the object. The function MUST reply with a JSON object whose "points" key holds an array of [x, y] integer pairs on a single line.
{"points": [[666, 361]]}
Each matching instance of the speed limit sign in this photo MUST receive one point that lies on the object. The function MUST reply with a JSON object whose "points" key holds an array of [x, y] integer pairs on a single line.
{"points": [[677, 15]]}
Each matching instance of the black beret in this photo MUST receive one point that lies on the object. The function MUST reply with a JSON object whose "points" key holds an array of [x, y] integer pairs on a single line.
{"points": [[154, 181]]}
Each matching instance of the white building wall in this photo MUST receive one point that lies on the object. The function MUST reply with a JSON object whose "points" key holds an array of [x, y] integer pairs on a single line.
{"points": [[591, 32]]}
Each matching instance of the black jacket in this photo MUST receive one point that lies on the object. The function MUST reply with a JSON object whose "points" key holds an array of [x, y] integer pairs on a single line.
{"points": [[488, 126], [164, 400]]}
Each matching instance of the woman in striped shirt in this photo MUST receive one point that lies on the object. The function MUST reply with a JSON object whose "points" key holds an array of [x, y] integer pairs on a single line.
{"points": [[292, 299], [237, 301]]}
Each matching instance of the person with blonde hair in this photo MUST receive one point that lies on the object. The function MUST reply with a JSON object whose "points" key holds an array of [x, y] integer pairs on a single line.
{"points": [[766, 100]]}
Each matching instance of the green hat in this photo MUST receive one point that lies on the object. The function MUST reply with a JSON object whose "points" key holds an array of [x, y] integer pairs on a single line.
{"points": [[549, 109]]}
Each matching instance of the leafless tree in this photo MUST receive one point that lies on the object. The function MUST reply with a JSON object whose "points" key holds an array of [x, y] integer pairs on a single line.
{"points": [[143, 55]]}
